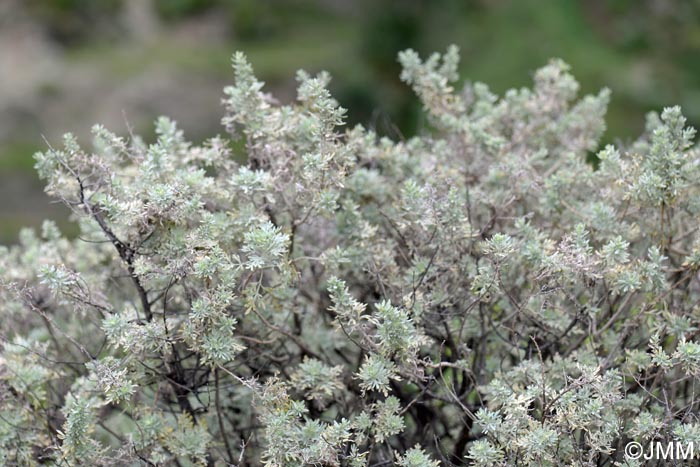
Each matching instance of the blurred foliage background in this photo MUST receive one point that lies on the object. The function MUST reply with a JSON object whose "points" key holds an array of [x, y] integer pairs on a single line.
{"points": [[66, 64]]}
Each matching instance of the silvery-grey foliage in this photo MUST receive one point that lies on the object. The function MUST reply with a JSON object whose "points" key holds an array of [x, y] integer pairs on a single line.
{"points": [[477, 294]]}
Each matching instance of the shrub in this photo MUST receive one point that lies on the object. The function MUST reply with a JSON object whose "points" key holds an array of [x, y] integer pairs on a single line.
{"points": [[477, 294]]}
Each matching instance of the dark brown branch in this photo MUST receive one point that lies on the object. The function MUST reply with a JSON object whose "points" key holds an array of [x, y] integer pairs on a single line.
{"points": [[126, 253]]}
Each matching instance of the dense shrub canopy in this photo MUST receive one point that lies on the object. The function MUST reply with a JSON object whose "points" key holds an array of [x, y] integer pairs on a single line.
{"points": [[478, 294]]}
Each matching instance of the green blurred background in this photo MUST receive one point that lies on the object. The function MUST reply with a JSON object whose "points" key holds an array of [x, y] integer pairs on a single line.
{"points": [[66, 64]]}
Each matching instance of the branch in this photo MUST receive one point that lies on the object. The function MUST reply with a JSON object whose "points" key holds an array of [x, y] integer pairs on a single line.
{"points": [[126, 253]]}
